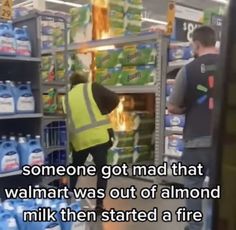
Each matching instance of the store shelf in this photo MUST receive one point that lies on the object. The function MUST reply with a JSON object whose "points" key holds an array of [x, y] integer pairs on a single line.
{"points": [[173, 132], [54, 84], [172, 156], [53, 117], [21, 116], [15, 173], [133, 89], [177, 65], [51, 149], [106, 42], [19, 59]]}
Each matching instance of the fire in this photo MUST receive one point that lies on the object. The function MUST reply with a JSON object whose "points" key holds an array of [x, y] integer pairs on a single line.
{"points": [[122, 121], [100, 19]]}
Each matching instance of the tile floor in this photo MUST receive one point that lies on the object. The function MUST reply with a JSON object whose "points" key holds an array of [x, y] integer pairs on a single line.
{"points": [[139, 204]]}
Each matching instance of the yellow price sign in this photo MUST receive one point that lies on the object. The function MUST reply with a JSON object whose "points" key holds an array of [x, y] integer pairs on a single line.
{"points": [[170, 18], [6, 9]]}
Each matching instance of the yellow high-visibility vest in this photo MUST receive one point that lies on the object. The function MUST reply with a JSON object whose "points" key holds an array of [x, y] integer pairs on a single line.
{"points": [[87, 126]]}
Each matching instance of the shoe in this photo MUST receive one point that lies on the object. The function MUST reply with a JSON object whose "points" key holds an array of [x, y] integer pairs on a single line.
{"points": [[99, 210]]}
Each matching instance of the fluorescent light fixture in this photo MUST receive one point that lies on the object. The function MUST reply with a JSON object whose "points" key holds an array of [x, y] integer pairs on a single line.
{"points": [[222, 1], [23, 3], [154, 21], [64, 3]]}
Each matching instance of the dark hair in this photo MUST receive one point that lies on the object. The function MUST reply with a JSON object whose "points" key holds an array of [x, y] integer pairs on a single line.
{"points": [[205, 35], [77, 78]]}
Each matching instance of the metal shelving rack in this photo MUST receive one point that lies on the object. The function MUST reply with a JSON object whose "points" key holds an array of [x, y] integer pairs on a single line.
{"points": [[156, 89], [170, 179], [59, 86], [23, 69]]}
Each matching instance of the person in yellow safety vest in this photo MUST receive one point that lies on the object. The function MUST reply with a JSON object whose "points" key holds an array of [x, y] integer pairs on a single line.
{"points": [[90, 129]]}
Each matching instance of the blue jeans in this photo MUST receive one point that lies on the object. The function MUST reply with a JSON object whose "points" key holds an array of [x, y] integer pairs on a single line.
{"points": [[193, 156]]}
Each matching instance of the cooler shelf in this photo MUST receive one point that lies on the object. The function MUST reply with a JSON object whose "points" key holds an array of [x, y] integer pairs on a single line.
{"points": [[172, 156], [173, 132], [21, 116], [51, 149], [19, 59], [15, 173]]}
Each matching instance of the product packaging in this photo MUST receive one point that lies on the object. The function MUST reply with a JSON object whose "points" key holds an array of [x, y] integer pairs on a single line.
{"points": [[47, 25], [140, 75], [174, 145], [60, 68], [180, 51], [47, 69], [58, 37], [133, 23], [108, 58], [117, 5], [174, 122], [144, 54], [116, 10], [81, 28], [50, 101], [134, 7], [108, 76], [117, 27]]}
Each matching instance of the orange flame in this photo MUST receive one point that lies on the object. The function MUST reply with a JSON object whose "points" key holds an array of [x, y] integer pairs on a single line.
{"points": [[122, 121]]}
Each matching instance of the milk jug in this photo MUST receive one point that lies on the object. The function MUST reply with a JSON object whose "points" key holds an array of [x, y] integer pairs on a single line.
{"points": [[23, 45], [7, 102], [7, 221], [25, 102], [9, 157], [7, 39], [31, 151]]}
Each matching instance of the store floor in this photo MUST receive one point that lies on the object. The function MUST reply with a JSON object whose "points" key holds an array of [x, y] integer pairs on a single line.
{"points": [[139, 204]]}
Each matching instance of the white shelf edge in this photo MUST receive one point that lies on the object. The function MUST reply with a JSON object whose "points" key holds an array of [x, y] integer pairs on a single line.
{"points": [[20, 59], [133, 89], [15, 173], [142, 37], [21, 116]]}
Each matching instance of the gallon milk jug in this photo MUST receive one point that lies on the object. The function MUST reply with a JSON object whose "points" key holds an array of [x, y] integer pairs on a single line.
{"points": [[7, 221], [16, 207], [25, 102], [7, 102], [23, 45], [7, 39], [9, 157], [74, 225], [31, 151]]}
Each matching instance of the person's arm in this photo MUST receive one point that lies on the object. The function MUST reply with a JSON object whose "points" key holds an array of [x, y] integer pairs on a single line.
{"points": [[176, 102], [106, 100]]}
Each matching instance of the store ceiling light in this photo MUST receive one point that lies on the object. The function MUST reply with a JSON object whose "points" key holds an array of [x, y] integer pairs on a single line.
{"points": [[222, 1], [23, 3], [64, 3], [154, 21]]}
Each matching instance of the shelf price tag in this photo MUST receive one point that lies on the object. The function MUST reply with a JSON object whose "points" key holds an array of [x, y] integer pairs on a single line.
{"points": [[170, 18], [6, 9]]}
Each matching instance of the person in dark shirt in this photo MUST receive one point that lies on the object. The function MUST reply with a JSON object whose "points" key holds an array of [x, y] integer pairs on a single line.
{"points": [[193, 95], [106, 101]]}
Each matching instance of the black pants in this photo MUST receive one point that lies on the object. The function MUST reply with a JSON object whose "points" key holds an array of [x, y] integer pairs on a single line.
{"points": [[99, 154]]}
